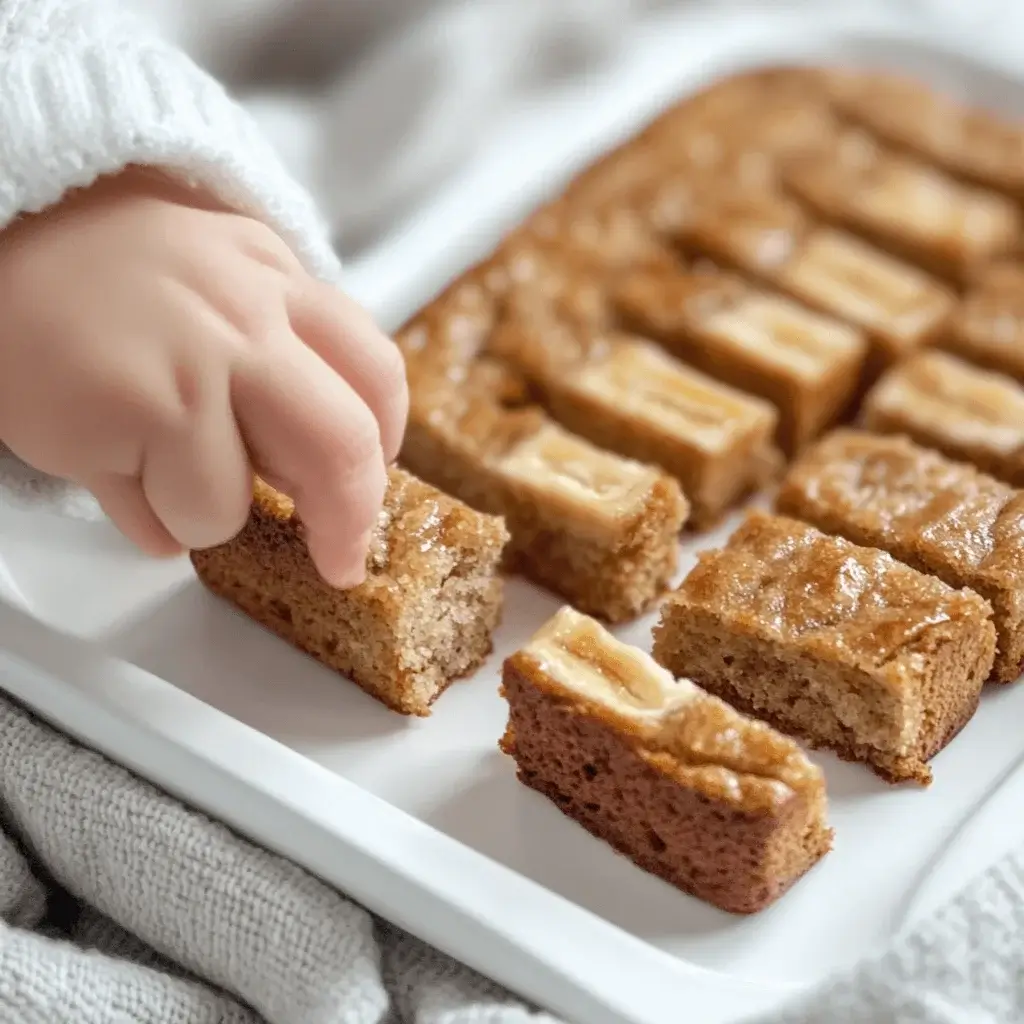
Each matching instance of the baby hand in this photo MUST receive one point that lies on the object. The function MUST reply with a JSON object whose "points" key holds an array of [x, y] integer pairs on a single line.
{"points": [[159, 350]]}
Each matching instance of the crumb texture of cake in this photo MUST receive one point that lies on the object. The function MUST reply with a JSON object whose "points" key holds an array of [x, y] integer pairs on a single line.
{"points": [[968, 142], [936, 515], [988, 326], [600, 529], [835, 643], [967, 413], [719, 805], [909, 208], [806, 364], [424, 616]]}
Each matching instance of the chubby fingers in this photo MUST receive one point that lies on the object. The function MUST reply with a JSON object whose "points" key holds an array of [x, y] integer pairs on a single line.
{"points": [[346, 338], [311, 435]]}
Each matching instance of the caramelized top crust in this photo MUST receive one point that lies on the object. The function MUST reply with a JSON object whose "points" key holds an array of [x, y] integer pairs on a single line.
{"points": [[837, 271], [770, 331], [605, 240], [954, 402], [772, 237], [757, 231], [596, 489], [710, 747], [990, 321], [890, 487], [907, 112], [856, 179], [790, 584], [420, 532]]}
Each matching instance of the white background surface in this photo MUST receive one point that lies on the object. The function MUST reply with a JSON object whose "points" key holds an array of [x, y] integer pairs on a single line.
{"points": [[898, 851]]}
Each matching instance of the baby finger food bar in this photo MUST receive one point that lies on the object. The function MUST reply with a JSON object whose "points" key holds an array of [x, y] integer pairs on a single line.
{"points": [[424, 616], [836, 643], [939, 516], [715, 803], [786, 253], [967, 413]]}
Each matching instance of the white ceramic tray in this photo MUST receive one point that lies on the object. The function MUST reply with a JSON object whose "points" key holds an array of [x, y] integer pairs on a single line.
{"points": [[423, 821]]}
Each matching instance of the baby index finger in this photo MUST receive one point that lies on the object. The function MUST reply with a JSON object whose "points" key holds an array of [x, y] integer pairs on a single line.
{"points": [[348, 340], [310, 435]]}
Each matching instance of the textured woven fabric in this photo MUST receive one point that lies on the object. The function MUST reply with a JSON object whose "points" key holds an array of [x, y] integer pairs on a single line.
{"points": [[178, 921]]}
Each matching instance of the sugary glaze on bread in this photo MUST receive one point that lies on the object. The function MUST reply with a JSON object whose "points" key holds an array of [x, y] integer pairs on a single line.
{"points": [[629, 396], [988, 325], [966, 141], [806, 364], [423, 617], [939, 516], [834, 642], [915, 210], [772, 238], [714, 803], [793, 585], [723, 754], [967, 413]]}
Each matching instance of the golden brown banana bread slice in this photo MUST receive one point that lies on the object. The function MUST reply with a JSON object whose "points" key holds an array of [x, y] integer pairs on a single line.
{"points": [[914, 211], [806, 364], [941, 402], [771, 238], [934, 514], [629, 396], [716, 804], [423, 617], [835, 643], [987, 327], [969, 143]]}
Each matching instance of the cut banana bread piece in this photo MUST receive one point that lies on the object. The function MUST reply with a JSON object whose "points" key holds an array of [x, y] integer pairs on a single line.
{"points": [[771, 238], [806, 364], [423, 617], [716, 804], [837, 644], [988, 326], [910, 209], [969, 143], [939, 516], [629, 396], [967, 413]]}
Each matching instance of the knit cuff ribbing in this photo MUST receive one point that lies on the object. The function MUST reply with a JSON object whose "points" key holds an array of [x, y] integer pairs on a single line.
{"points": [[69, 115]]}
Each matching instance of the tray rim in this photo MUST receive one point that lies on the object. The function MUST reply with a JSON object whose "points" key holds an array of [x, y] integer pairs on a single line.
{"points": [[549, 950]]}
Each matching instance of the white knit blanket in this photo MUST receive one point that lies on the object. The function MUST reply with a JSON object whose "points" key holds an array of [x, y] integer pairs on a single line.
{"points": [[120, 906]]}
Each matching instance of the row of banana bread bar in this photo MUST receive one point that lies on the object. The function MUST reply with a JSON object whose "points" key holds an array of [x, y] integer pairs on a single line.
{"points": [[789, 250]]}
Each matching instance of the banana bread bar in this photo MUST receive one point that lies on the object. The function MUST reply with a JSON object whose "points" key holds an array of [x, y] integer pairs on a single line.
{"points": [[770, 238], [838, 644], [906, 207], [969, 143], [944, 403], [601, 530], [988, 326], [714, 803], [804, 363], [423, 617], [936, 515], [630, 397]]}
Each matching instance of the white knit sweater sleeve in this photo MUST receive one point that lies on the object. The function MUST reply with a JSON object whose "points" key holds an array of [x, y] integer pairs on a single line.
{"points": [[86, 89]]}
